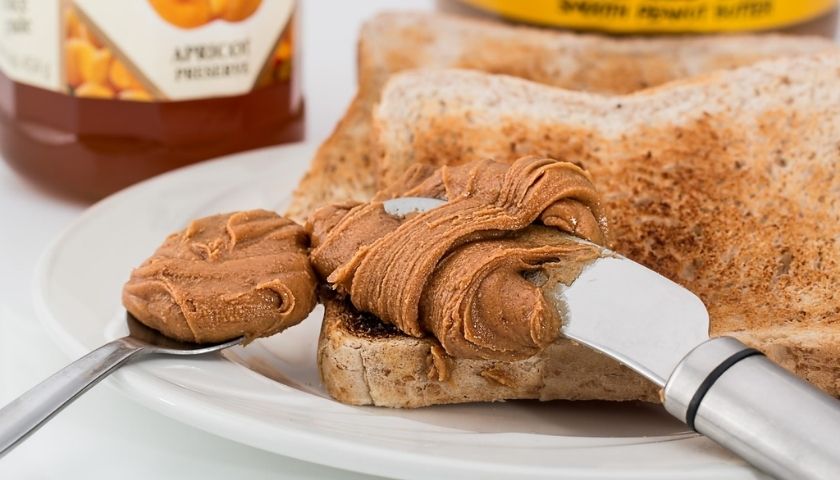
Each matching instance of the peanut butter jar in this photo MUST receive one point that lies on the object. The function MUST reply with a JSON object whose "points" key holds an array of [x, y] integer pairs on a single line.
{"points": [[96, 95], [656, 17]]}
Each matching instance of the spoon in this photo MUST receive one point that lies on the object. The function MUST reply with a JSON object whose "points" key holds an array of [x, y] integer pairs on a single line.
{"points": [[30, 411]]}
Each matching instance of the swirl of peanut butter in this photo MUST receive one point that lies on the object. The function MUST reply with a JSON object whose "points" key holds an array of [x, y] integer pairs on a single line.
{"points": [[458, 271], [243, 274]]}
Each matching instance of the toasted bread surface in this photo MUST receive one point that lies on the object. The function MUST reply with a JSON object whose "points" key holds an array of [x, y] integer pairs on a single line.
{"points": [[726, 184], [344, 168]]}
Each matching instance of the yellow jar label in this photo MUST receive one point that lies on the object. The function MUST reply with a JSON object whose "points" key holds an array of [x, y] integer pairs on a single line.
{"points": [[665, 16]]}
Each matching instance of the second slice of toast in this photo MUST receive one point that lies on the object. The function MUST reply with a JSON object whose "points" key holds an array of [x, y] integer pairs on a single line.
{"points": [[727, 184], [344, 167]]}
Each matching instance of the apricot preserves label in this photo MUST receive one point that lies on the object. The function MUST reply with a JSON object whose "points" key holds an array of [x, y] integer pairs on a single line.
{"points": [[148, 50]]}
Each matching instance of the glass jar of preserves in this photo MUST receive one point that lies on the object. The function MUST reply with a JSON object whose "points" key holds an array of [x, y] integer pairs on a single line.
{"points": [[96, 95]]}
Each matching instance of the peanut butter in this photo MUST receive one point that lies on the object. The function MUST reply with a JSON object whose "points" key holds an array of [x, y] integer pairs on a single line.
{"points": [[458, 272], [223, 277]]}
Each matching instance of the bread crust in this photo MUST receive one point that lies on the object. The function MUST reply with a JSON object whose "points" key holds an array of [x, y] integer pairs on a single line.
{"points": [[364, 362]]}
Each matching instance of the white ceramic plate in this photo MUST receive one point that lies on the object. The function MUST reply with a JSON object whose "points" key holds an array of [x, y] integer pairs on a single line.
{"points": [[268, 395]]}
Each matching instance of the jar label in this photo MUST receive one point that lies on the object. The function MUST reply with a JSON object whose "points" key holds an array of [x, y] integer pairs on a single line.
{"points": [[147, 50], [665, 16]]}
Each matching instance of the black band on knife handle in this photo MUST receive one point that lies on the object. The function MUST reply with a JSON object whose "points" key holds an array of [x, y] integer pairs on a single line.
{"points": [[694, 404]]}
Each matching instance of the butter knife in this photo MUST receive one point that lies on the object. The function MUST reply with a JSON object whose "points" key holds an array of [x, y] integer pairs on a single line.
{"points": [[719, 387]]}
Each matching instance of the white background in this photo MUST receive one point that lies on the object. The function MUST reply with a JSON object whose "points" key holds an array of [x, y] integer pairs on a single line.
{"points": [[104, 434]]}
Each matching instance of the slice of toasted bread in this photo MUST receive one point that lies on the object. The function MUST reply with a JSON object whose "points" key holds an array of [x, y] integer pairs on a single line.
{"points": [[343, 168], [365, 362], [727, 184]]}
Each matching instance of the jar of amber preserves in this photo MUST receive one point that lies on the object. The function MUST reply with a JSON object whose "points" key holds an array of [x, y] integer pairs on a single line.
{"points": [[817, 17], [98, 94]]}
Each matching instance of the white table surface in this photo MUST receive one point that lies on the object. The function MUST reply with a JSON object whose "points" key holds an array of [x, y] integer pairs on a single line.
{"points": [[104, 434]]}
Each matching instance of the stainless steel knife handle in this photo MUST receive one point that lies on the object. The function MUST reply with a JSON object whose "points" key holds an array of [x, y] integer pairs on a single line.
{"points": [[753, 407]]}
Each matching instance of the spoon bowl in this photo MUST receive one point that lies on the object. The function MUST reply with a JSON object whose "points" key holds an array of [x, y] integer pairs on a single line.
{"points": [[152, 341]]}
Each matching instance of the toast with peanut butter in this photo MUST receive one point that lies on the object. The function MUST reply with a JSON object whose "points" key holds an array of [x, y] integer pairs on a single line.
{"points": [[344, 169], [726, 183], [459, 299]]}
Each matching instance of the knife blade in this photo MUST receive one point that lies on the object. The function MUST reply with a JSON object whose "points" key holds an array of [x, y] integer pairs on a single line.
{"points": [[614, 299], [611, 301]]}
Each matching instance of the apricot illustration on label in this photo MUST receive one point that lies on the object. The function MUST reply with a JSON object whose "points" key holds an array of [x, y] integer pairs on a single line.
{"points": [[138, 95], [91, 69], [184, 13], [94, 90], [75, 28], [76, 52], [234, 10], [94, 67], [195, 13], [121, 78]]}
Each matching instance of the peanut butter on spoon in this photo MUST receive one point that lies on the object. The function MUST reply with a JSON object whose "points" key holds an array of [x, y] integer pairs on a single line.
{"points": [[243, 274]]}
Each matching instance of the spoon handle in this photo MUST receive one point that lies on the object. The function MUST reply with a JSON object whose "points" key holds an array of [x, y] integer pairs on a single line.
{"points": [[27, 413]]}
